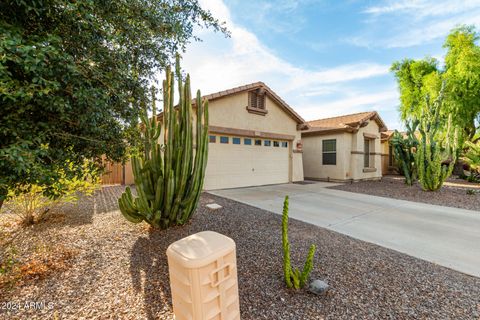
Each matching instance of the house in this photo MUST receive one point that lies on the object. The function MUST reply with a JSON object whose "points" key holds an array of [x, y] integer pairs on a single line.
{"points": [[255, 139], [344, 148]]}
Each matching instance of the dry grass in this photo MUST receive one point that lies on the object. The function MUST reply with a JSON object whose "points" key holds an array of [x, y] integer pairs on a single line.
{"points": [[44, 260]]}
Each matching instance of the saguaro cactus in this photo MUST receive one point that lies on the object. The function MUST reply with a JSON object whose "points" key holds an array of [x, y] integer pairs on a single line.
{"points": [[169, 177], [437, 149], [293, 277]]}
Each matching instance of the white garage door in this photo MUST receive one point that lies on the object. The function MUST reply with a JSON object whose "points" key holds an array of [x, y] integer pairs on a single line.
{"points": [[240, 162]]}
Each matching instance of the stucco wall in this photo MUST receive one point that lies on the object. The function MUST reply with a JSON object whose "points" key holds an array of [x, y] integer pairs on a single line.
{"points": [[312, 157]]}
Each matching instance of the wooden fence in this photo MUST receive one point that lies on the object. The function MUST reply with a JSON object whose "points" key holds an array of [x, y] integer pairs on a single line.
{"points": [[117, 173]]}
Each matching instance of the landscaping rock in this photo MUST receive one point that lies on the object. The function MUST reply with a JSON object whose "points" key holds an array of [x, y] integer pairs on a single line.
{"points": [[128, 278], [319, 287], [214, 206]]}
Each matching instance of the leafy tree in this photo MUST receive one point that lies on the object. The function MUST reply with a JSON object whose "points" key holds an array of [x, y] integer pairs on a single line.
{"points": [[462, 75], [419, 79], [69, 72], [416, 79]]}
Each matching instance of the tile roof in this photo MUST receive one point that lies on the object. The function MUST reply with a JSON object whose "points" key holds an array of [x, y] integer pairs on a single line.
{"points": [[345, 123], [387, 135]]}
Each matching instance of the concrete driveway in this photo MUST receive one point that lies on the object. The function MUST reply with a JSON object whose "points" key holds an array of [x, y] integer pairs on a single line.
{"points": [[447, 236]]}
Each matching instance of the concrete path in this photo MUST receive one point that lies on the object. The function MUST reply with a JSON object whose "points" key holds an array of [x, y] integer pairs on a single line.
{"points": [[447, 236]]}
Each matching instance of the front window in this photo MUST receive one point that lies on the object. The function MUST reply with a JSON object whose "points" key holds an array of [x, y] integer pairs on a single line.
{"points": [[212, 139], [267, 143], [329, 152], [258, 142], [247, 141], [236, 140], [366, 153]]}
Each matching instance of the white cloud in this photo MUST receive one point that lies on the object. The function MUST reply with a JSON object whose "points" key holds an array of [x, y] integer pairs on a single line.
{"points": [[423, 8], [432, 31], [218, 64], [394, 6], [354, 103], [416, 22]]}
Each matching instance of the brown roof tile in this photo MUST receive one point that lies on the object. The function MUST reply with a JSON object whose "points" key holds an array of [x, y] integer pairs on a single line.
{"points": [[345, 123]]}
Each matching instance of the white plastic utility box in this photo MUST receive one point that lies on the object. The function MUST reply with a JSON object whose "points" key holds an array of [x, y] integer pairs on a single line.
{"points": [[203, 277]]}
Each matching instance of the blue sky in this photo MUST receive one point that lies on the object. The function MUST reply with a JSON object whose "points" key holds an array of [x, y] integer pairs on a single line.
{"points": [[324, 58]]}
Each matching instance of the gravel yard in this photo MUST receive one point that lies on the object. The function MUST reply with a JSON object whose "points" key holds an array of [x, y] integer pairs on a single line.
{"points": [[117, 270], [452, 194]]}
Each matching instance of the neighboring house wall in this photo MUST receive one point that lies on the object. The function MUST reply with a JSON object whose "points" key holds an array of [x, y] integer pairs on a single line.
{"points": [[313, 157]]}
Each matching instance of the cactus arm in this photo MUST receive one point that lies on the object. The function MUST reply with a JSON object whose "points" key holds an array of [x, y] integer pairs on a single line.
{"points": [[307, 268], [287, 269]]}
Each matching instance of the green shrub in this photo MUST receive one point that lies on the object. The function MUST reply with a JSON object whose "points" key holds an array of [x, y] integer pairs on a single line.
{"points": [[31, 202], [294, 277]]}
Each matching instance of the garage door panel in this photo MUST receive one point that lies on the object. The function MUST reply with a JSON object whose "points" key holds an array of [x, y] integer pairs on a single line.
{"points": [[233, 166]]}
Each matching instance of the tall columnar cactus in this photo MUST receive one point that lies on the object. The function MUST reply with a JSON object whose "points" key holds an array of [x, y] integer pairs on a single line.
{"points": [[404, 147], [293, 277], [169, 177], [437, 149], [472, 156]]}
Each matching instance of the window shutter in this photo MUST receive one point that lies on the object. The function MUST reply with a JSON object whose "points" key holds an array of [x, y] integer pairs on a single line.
{"points": [[252, 99]]}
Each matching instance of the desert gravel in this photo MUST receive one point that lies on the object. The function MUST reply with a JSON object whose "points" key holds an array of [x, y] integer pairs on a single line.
{"points": [[120, 269], [452, 194]]}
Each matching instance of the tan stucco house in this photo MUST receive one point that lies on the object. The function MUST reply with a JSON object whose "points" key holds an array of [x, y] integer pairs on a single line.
{"points": [[253, 139], [344, 148]]}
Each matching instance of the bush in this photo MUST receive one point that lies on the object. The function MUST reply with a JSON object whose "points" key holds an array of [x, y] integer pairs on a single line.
{"points": [[31, 202]]}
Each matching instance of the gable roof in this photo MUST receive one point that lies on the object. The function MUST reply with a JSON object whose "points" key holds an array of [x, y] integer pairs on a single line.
{"points": [[346, 123], [387, 135], [253, 86]]}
